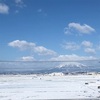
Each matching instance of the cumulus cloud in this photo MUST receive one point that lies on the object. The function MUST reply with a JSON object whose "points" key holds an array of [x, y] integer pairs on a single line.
{"points": [[87, 44], [90, 50], [24, 45], [71, 46], [4, 9], [43, 51], [84, 29], [72, 57], [27, 58]]}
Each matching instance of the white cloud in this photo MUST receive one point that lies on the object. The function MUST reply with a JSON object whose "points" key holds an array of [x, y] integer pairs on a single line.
{"points": [[20, 3], [43, 51], [90, 50], [4, 9], [72, 57], [71, 46], [24, 45], [98, 47], [27, 58], [87, 44], [84, 29]]}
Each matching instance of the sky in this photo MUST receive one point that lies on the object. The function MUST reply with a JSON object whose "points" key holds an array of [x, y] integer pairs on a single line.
{"points": [[55, 30]]}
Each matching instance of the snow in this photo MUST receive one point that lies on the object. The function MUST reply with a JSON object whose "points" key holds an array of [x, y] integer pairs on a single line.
{"points": [[71, 64], [31, 87]]}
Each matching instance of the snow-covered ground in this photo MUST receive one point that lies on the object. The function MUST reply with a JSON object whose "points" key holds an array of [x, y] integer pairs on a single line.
{"points": [[31, 87]]}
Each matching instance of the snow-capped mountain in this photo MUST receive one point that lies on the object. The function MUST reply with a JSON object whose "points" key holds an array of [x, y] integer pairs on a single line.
{"points": [[70, 64], [68, 67]]}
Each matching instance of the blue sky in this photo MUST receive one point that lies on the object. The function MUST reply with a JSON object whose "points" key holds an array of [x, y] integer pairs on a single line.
{"points": [[49, 29]]}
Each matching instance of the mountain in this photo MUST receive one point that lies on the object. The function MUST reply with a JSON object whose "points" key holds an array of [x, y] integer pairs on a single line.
{"points": [[71, 64], [68, 67]]}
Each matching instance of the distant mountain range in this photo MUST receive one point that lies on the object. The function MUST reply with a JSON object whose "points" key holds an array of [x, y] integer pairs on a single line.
{"points": [[45, 68]]}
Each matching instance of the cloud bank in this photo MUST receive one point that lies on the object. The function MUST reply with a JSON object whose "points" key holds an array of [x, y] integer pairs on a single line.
{"points": [[72, 57]]}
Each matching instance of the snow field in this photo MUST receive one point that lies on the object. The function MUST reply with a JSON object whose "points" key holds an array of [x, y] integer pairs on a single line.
{"points": [[31, 87]]}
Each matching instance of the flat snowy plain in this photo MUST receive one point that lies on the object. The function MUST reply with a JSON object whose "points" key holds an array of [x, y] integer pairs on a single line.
{"points": [[32, 87]]}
